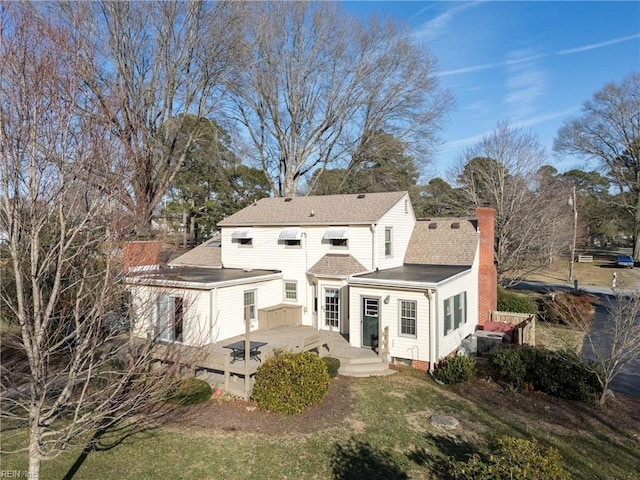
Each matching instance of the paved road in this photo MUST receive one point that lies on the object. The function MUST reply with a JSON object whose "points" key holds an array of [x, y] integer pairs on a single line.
{"points": [[628, 381]]}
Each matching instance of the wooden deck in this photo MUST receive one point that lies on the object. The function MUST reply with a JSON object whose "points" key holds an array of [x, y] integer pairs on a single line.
{"points": [[213, 362]]}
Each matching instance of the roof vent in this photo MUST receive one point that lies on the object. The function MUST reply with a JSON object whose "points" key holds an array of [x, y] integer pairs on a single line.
{"points": [[433, 226], [362, 195], [455, 226], [288, 199], [312, 214]]}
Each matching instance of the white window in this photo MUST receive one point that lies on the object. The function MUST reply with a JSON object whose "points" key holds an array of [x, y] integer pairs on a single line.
{"points": [[371, 307], [242, 236], [408, 318], [337, 237], [332, 307], [291, 237], [388, 239], [249, 305], [455, 312], [291, 291], [459, 309], [169, 318]]}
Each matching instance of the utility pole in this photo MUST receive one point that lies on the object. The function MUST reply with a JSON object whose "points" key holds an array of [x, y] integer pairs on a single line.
{"points": [[573, 203]]}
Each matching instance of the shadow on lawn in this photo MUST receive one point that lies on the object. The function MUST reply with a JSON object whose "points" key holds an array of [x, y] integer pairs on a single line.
{"points": [[448, 449], [358, 460], [104, 439]]}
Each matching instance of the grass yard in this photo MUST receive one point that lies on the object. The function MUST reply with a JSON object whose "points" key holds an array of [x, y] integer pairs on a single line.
{"points": [[384, 434]]}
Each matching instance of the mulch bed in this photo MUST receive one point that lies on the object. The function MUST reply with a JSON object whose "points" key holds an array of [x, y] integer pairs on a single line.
{"points": [[232, 415]]}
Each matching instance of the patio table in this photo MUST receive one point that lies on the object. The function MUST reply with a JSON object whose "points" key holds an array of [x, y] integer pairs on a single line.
{"points": [[238, 350]]}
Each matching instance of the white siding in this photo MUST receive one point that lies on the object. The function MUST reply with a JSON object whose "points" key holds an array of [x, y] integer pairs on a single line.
{"points": [[467, 283], [228, 309], [402, 224], [196, 306], [267, 253], [399, 346]]}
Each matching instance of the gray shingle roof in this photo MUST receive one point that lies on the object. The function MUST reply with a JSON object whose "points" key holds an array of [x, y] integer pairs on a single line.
{"points": [[204, 255], [324, 209], [443, 241], [335, 264]]}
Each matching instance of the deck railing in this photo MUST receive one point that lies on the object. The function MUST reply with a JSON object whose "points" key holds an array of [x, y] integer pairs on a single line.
{"points": [[384, 343]]}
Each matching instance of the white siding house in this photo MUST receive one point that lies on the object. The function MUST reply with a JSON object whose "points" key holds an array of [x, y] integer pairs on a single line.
{"points": [[357, 264]]}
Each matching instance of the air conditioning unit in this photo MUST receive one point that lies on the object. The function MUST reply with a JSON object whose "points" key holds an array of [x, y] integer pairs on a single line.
{"points": [[486, 341]]}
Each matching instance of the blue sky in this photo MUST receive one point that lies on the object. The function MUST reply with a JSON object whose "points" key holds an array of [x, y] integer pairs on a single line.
{"points": [[532, 64]]}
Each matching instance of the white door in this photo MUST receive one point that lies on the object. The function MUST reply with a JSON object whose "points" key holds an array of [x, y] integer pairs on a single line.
{"points": [[332, 308]]}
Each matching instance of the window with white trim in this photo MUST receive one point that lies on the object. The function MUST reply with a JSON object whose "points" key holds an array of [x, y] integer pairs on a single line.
{"points": [[249, 304], [169, 318], [291, 237], [332, 307], [243, 237], [408, 318], [291, 291], [455, 312], [388, 241], [337, 237]]}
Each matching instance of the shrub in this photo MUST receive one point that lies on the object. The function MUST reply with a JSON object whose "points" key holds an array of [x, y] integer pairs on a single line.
{"points": [[559, 374], [458, 369], [515, 302], [290, 382], [509, 366], [109, 372], [513, 458], [190, 392], [567, 308], [333, 365]]}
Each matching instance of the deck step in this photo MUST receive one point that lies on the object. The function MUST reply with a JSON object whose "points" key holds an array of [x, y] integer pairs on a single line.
{"points": [[363, 367]]}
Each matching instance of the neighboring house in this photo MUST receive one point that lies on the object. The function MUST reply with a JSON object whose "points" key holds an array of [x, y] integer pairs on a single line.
{"points": [[358, 264]]}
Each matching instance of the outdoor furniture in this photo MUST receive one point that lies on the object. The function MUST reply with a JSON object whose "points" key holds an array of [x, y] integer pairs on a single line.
{"points": [[238, 350]]}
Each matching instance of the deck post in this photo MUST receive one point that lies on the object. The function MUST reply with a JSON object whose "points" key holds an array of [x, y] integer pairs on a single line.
{"points": [[247, 350]]}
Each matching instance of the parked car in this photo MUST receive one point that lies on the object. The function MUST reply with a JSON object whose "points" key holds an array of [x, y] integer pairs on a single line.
{"points": [[624, 261]]}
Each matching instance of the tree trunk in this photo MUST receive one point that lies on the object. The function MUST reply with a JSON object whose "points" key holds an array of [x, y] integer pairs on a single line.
{"points": [[34, 454]]}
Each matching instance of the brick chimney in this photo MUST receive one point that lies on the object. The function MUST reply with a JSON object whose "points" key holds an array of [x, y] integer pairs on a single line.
{"points": [[140, 254], [487, 274]]}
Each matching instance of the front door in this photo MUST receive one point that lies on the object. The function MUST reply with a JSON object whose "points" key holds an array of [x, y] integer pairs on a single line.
{"points": [[370, 322]]}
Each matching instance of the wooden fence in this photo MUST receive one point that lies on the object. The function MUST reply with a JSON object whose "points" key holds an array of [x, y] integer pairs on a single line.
{"points": [[525, 325]]}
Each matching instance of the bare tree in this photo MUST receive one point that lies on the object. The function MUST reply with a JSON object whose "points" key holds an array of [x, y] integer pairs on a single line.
{"points": [[147, 67], [74, 375], [611, 342], [608, 130], [313, 83], [502, 171]]}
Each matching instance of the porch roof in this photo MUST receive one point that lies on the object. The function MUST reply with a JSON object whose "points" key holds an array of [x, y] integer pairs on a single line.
{"points": [[411, 274]]}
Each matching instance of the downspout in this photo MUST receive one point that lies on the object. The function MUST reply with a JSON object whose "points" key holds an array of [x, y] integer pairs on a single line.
{"points": [[213, 303], [433, 330], [374, 249]]}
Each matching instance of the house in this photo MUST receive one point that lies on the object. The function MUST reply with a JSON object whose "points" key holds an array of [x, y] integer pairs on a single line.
{"points": [[358, 264]]}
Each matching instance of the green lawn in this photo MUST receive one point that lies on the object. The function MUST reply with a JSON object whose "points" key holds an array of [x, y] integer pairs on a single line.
{"points": [[388, 436]]}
